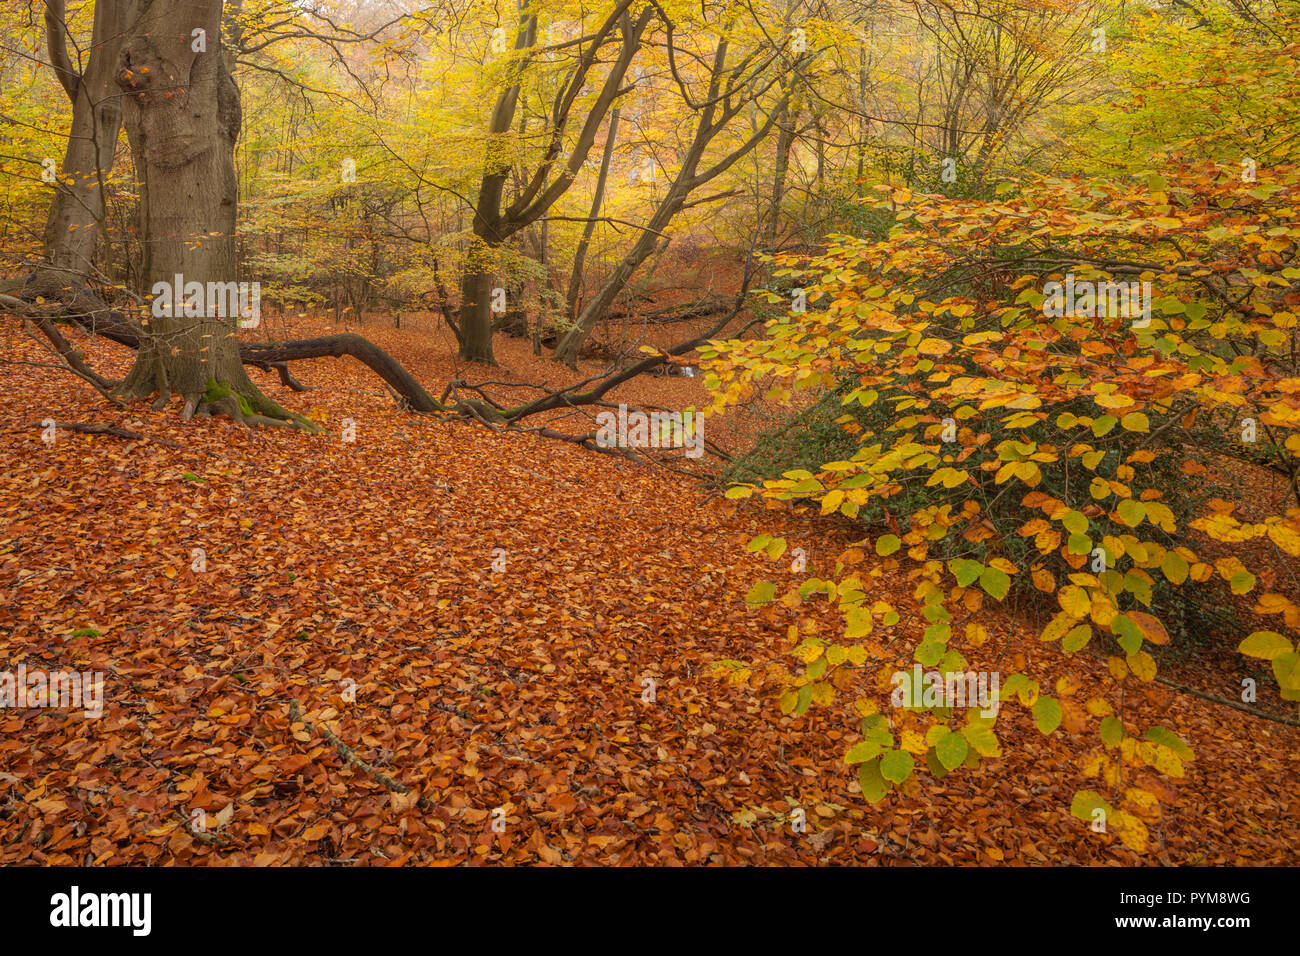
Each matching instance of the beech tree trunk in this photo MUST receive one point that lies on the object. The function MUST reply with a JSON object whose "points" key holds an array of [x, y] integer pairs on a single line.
{"points": [[493, 225], [74, 223], [182, 115]]}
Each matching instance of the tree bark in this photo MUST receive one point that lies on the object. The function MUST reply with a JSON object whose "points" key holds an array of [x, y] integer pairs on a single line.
{"points": [[580, 256], [75, 219], [182, 116], [492, 225]]}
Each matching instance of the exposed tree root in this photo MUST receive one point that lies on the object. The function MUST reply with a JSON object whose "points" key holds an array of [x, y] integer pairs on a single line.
{"points": [[1235, 705]]}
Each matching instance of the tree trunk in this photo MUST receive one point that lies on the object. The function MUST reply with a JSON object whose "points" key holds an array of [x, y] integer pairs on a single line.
{"points": [[712, 118], [75, 220], [182, 116], [784, 140], [567, 348], [580, 257], [480, 259]]}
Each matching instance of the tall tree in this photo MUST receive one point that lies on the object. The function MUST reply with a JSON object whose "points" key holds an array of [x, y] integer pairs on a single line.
{"points": [[730, 91], [182, 116], [73, 226], [493, 225]]}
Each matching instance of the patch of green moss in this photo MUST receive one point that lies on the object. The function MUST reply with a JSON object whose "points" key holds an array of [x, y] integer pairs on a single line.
{"points": [[219, 390]]}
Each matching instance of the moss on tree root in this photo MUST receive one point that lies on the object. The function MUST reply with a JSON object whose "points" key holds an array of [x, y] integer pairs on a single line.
{"points": [[248, 406]]}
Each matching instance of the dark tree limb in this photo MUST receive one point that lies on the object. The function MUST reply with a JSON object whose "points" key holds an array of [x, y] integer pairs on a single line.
{"points": [[345, 343], [98, 428], [569, 397], [56, 42]]}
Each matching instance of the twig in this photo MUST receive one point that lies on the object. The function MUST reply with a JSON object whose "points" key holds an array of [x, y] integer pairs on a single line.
{"points": [[1229, 703], [98, 428], [346, 752]]}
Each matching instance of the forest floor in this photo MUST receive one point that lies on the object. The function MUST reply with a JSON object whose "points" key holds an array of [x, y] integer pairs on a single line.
{"points": [[368, 566]]}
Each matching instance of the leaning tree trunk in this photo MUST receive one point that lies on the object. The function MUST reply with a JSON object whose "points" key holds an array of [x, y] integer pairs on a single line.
{"points": [[580, 256], [182, 116], [73, 226], [571, 342]]}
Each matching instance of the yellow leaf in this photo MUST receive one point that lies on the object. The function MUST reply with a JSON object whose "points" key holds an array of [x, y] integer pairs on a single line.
{"points": [[1074, 601], [1132, 831], [1099, 707], [1135, 422], [1143, 666]]}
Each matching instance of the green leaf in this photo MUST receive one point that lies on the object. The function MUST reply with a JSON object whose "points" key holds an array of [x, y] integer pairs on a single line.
{"points": [[1076, 522], [888, 544], [1103, 425], [1047, 714], [1286, 668], [896, 766], [1165, 736], [982, 738], [875, 728], [863, 751], [873, 784], [1077, 638], [1131, 512], [1127, 633], [1112, 731], [965, 570], [930, 653], [1085, 802], [805, 699], [1265, 645], [933, 764], [995, 582], [760, 593], [951, 750], [1174, 567]]}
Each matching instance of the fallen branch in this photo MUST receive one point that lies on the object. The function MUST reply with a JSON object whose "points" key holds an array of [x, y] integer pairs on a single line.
{"points": [[1229, 703], [98, 428], [346, 752]]}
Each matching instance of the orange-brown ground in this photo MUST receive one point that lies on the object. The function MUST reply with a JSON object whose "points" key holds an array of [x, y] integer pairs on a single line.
{"points": [[371, 562]]}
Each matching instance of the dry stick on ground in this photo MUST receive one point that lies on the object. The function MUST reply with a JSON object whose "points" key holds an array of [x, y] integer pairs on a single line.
{"points": [[97, 428], [346, 752], [1229, 703]]}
